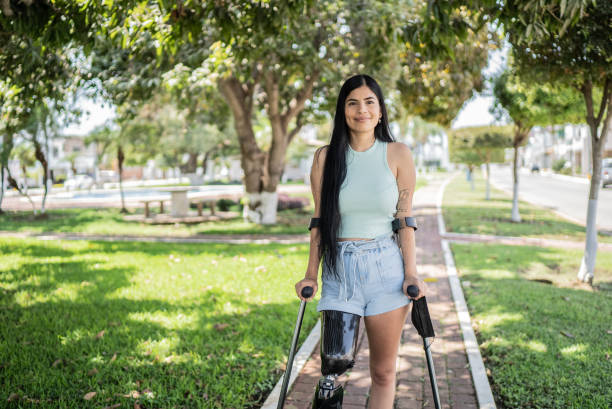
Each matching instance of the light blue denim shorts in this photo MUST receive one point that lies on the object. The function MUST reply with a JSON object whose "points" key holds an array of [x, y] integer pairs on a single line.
{"points": [[370, 277]]}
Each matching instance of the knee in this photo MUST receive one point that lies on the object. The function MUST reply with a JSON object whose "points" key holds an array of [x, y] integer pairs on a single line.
{"points": [[383, 375]]}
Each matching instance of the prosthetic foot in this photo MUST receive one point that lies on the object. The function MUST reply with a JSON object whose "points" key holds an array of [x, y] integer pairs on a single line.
{"points": [[339, 331]]}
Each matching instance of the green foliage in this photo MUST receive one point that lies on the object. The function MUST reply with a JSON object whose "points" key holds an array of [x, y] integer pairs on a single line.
{"points": [[558, 164], [566, 41], [24, 153], [477, 145], [435, 87], [529, 104]]}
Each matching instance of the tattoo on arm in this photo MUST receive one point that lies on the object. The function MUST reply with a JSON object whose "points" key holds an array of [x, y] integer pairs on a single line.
{"points": [[404, 202]]}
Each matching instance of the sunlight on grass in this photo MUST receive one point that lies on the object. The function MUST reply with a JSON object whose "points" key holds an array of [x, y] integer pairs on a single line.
{"points": [[536, 346], [576, 351], [543, 336], [174, 319], [494, 318], [166, 320]]}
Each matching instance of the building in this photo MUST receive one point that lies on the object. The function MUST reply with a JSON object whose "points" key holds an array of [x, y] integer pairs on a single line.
{"points": [[571, 143]]}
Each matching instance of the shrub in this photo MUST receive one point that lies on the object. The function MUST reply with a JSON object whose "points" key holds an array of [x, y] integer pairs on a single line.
{"points": [[558, 164], [286, 202], [225, 204]]}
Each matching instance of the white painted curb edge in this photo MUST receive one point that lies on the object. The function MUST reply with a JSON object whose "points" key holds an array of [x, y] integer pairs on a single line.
{"points": [[298, 363], [479, 374]]}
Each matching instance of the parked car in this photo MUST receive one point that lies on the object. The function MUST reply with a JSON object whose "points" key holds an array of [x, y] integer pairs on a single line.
{"points": [[535, 168], [79, 182], [606, 172]]}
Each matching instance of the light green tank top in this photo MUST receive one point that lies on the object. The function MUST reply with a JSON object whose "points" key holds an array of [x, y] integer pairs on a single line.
{"points": [[369, 194]]}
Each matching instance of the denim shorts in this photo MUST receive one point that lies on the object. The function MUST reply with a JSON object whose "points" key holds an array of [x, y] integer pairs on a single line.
{"points": [[370, 274]]}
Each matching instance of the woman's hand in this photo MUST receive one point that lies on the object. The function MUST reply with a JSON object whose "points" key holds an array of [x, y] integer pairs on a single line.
{"points": [[306, 282], [414, 280]]}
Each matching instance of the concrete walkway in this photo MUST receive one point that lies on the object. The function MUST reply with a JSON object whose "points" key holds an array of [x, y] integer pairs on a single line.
{"points": [[450, 359]]}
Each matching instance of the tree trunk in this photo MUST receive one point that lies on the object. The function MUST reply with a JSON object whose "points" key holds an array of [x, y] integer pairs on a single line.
{"points": [[120, 159], [192, 162], [252, 159], [488, 191], [5, 153], [40, 156], [516, 217], [13, 183], [587, 265], [262, 170], [1, 186], [205, 162]]}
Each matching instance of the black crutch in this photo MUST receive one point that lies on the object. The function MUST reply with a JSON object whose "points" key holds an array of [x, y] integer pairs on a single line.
{"points": [[422, 322], [306, 293]]}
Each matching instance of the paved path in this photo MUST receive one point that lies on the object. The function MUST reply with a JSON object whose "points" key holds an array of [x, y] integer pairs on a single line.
{"points": [[413, 388]]}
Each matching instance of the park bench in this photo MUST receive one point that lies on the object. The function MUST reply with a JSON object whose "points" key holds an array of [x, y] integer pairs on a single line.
{"points": [[147, 212], [211, 202]]}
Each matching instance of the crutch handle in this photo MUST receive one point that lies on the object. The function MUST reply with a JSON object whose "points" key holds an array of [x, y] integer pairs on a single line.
{"points": [[413, 291], [307, 292]]}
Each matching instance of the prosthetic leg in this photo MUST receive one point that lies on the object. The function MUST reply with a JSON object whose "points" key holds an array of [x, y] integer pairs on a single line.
{"points": [[339, 331]]}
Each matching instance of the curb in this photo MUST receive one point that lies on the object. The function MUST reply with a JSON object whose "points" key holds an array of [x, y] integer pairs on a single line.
{"points": [[299, 361], [479, 374]]}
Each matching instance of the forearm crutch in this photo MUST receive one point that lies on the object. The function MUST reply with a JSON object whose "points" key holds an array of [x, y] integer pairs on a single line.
{"points": [[306, 293], [422, 322]]}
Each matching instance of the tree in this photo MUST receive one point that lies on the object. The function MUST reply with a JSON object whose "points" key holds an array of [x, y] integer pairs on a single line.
{"points": [[36, 67], [436, 82], [109, 138], [560, 42], [528, 106], [24, 154], [421, 130], [284, 59], [568, 42], [480, 145], [41, 127]]}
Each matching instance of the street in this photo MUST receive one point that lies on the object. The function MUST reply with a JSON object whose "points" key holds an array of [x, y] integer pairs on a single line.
{"points": [[567, 196]]}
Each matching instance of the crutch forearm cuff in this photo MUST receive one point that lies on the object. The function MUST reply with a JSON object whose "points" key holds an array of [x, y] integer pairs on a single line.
{"points": [[403, 222], [314, 222]]}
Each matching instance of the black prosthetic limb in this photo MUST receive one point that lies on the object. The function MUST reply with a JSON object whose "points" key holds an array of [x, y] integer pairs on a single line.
{"points": [[339, 332]]}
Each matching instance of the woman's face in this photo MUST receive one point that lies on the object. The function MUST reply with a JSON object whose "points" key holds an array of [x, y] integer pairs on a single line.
{"points": [[362, 110]]}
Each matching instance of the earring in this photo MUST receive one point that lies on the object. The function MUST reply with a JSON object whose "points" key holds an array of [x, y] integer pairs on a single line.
{"points": [[379, 119]]}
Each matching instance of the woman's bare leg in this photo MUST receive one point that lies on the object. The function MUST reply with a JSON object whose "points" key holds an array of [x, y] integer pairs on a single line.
{"points": [[384, 333]]}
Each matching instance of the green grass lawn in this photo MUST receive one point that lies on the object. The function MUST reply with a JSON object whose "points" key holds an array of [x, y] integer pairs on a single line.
{"points": [[546, 339], [165, 325], [110, 221], [467, 211]]}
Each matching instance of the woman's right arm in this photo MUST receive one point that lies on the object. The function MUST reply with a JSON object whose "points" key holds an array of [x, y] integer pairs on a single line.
{"points": [[314, 259]]}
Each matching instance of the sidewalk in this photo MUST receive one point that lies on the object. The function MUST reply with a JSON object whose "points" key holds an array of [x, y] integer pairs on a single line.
{"points": [[450, 359]]}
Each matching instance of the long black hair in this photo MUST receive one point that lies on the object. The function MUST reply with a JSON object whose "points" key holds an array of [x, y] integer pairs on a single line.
{"points": [[334, 170]]}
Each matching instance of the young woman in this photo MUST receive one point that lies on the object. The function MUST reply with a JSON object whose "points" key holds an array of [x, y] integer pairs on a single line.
{"points": [[360, 182]]}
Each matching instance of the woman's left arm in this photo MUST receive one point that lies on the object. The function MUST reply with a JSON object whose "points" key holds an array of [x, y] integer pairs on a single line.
{"points": [[406, 182]]}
